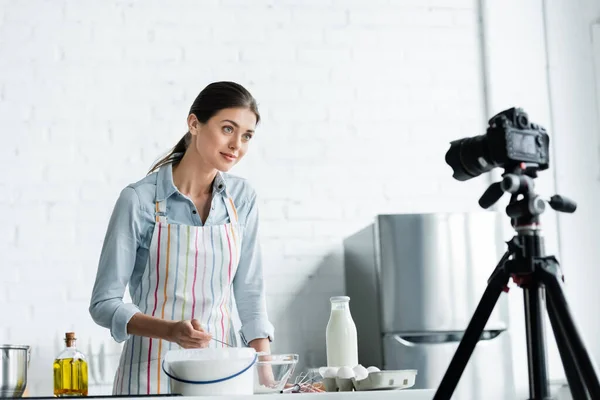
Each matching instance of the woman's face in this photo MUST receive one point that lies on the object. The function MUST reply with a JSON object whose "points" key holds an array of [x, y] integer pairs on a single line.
{"points": [[223, 140]]}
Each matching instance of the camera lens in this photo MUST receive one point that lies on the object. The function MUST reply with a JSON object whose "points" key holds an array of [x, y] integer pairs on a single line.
{"points": [[469, 157]]}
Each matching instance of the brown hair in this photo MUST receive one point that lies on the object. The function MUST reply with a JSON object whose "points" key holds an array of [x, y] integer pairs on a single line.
{"points": [[212, 99]]}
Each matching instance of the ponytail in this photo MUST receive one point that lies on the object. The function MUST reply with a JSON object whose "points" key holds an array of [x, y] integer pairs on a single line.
{"points": [[175, 155]]}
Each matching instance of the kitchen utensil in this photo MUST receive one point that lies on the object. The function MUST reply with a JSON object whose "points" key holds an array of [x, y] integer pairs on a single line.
{"points": [[14, 362], [280, 366], [306, 382], [222, 371], [226, 344]]}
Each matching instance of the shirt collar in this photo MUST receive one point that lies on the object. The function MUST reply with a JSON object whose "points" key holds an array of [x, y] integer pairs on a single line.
{"points": [[165, 186]]}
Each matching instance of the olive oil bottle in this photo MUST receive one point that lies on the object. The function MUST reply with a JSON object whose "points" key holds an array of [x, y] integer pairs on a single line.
{"points": [[70, 370]]}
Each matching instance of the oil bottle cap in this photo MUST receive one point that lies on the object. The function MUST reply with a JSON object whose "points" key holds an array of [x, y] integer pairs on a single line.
{"points": [[70, 338]]}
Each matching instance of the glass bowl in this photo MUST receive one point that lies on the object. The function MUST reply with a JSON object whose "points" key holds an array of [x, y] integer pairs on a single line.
{"points": [[273, 371]]}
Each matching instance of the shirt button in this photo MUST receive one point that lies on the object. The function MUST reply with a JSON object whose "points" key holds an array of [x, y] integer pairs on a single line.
{"points": [[220, 186], [194, 212]]}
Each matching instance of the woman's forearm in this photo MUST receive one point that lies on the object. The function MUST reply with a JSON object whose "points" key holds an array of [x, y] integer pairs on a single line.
{"points": [[261, 345], [145, 325]]}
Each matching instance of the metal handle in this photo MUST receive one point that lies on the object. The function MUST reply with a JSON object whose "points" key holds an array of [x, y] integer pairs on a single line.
{"points": [[226, 344], [441, 337]]}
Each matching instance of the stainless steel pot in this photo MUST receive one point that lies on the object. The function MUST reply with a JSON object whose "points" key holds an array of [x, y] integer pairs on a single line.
{"points": [[14, 361]]}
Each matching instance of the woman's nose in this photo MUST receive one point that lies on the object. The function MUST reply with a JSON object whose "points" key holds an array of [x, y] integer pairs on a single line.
{"points": [[235, 143]]}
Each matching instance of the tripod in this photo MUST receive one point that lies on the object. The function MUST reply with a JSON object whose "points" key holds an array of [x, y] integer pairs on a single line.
{"points": [[539, 276]]}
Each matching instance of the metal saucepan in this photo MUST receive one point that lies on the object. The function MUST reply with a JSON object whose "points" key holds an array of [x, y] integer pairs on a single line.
{"points": [[14, 361]]}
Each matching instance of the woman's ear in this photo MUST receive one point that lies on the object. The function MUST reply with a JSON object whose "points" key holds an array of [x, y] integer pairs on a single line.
{"points": [[193, 124]]}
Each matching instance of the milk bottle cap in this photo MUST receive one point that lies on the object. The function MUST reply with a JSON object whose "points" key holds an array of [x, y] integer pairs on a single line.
{"points": [[339, 299]]}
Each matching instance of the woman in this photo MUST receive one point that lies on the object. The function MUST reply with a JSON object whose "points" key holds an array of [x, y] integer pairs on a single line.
{"points": [[184, 239]]}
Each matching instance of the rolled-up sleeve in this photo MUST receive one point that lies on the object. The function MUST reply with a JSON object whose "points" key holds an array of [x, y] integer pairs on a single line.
{"points": [[116, 264], [248, 284]]}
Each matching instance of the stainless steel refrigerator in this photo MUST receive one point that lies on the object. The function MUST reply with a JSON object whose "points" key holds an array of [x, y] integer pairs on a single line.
{"points": [[414, 281]]}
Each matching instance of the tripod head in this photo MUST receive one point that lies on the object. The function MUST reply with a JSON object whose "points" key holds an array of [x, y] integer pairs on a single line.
{"points": [[525, 206]]}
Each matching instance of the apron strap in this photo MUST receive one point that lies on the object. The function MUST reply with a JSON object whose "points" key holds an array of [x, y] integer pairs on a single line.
{"points": [[160, 212], [231, 210]]}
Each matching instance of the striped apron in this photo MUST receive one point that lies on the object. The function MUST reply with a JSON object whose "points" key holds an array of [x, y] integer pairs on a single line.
{"points": [[188, 275]]}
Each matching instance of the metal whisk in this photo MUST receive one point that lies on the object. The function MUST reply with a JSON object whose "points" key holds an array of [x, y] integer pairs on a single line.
{"points": [[304, 384]]}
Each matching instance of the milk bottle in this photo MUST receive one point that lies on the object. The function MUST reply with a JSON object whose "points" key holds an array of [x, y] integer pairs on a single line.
{"points": [[341, 338]]}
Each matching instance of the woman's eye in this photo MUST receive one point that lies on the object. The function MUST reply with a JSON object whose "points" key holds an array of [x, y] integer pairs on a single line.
{"points": [[247, 136], [228, 129]]}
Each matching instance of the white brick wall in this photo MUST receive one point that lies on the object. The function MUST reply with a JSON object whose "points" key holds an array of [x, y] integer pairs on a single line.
{"points": [[355, 96]]}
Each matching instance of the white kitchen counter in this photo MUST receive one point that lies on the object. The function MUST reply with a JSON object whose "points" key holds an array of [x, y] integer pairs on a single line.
{"points": [[404, 394]]}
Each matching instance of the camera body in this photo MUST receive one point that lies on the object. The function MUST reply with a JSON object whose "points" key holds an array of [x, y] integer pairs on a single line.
{"points": [[510, 139]]}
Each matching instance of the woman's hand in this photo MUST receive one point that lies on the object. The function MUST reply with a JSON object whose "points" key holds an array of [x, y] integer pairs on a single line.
{"points": [[265, 371], [189, 334], [265, 375]]}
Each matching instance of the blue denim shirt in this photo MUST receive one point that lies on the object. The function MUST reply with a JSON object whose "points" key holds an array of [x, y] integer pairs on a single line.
{"points": [[125, 250]]}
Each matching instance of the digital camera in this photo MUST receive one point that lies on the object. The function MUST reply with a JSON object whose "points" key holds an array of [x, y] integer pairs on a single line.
{"points": [[511, 139]]}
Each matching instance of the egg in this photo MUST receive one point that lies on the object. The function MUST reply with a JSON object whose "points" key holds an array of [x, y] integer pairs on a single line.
{"points": [[360, 372], [373, 369], [328, 372], [345, 373]]}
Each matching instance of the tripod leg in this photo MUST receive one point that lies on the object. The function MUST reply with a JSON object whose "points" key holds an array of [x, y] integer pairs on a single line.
{"points": [[486, 305], [572, 372], [534, 326], [550, 277]]}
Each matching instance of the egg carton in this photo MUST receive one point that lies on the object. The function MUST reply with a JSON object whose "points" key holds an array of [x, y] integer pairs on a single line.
{"points": [[379, 380]]}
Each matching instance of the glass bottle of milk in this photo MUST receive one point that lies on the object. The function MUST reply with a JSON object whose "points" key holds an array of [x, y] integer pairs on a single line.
{"points": [[341, 338]]}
